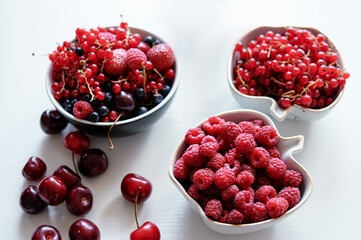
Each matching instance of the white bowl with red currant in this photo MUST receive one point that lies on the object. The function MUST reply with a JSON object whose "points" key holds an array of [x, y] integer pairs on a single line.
{"points": [[238, 173], [289, 72], [122, 78]]}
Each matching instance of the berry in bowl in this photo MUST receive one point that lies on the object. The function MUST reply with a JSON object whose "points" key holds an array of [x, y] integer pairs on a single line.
{"points": [[294, 73], [238, 173], [116, 78]]}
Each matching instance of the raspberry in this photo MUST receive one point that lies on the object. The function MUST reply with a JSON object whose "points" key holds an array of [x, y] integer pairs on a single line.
{"points": [[213, 191], [228, 205], [223, 146], [231, 156], [244, 179], [112, 38], [194, 136], [259, 212], [192, 172], [135, 58], [117, 65], [82, 109], [250, 189], [261, 180], [291, 194], [292, 178], [245, 143], [203, 178], [223, 217], [259, 158], [267, 135], [195, 193], [209, 146], [257, 123], [161, 56], [247, 127], [224, 177], [192, 156], [216, 162], [265, 193], [249, 168], [180, 170], [276, 206], [236, 167], [276, 168], [243, 201], [234, 217], [229, 193], [273, 152], [229, 131], [213, 125], [213, 209]]}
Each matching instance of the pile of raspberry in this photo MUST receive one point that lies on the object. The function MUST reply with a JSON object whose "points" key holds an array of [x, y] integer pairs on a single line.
{"points": [[106, 73], [235, 172], [295, 68]]}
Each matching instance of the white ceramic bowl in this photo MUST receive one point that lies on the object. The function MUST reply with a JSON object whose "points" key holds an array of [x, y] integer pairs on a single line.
{"points": [[286, 145], [267, 104]]}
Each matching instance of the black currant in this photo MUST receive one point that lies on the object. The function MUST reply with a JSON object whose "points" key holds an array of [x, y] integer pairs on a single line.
{"points": [[140, 110], [149, 40], [95, 103], [103, 111], [139, 93], [157, 99], [108, 97], [66, 104], [87, 97], [79, 51], [156, 42], [94, 117], [165, 90]]}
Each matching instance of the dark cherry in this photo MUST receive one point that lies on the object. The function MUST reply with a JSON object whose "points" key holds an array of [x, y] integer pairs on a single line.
{"points": [[131, 184], [69, 177], [52, 122], [30, 201], [79, 200], [46, 232], [77, 142], [124, 101], [52, 190], [92, 162], [34, 169], [84, 229], [148, 231]]}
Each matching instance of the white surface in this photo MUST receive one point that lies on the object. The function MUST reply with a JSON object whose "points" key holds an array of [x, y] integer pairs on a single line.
{"points": [[202, 33]]}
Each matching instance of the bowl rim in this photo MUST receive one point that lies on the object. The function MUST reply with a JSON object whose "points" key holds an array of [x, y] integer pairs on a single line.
{"points": [[269, 122], [57, 105], [270, 99]]}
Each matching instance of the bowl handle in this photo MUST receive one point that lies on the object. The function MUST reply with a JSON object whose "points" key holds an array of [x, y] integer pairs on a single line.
{"points": [[277, 112], [294, 144]]}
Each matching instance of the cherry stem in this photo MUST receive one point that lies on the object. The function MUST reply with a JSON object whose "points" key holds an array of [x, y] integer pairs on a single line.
{"points": [[76, 169], [110, 129], [135, 207], [158, 73]]}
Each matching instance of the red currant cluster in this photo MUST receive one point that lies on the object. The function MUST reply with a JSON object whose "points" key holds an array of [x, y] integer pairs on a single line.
{"points": [[294, 68], [108, 67]]}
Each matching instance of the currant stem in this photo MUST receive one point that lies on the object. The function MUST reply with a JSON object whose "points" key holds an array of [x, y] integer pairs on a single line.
{"points": [[110, 129], [135, 207], [156, 71], [76, 169]]}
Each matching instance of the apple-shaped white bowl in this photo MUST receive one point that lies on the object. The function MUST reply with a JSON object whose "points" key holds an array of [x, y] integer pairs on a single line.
{"points": [[286, 145], [267, 104]]}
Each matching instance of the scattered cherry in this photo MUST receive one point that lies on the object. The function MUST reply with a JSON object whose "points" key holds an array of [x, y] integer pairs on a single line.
{"points": [[51, 122], [69, 177], [52, 190], [30, 201], [148, 231], [77, 142], [92, 162], [34, 169], [84, 229], [46, 232], [79, 200], [134, 185]]}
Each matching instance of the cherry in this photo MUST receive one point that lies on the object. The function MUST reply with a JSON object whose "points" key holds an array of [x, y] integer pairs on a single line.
{"points": [[30, 201], [133, 185], [46, 232], [92, 162], [79, 200], [148, 231], [84, 229], [69, 177], [52, 190], [124, 101], [77, 142], [51, 122], [34, 169]]}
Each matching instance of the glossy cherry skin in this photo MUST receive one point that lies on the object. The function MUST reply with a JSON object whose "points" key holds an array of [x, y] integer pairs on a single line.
{"points": [[131, 184], [52, 122], [79, 200], [84, 229], [30, 201], [69, 177], [124, 101], [52, 190], [92, 162], [46, 232], [77, 142], [34, 169], [148, 231]]}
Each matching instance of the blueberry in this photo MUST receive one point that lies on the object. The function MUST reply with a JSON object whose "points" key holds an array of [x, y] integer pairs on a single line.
{"points": [[149, 40], [140, 110], [94, 117], [157, 99], [66, 104], [165, 90], [103, 111], [79, 51], [73, 101], [156, 42], [108, 97], [87, 97], [139, 93]]}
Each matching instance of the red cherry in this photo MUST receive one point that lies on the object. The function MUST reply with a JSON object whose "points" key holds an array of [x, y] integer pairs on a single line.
{"points": [[148, 231], [34, 169], [30, 201], [46, 232], [77, 142], [52, 190], [84, 229], [92, 162], [69, 177], [79, 200], [131, 184]]}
